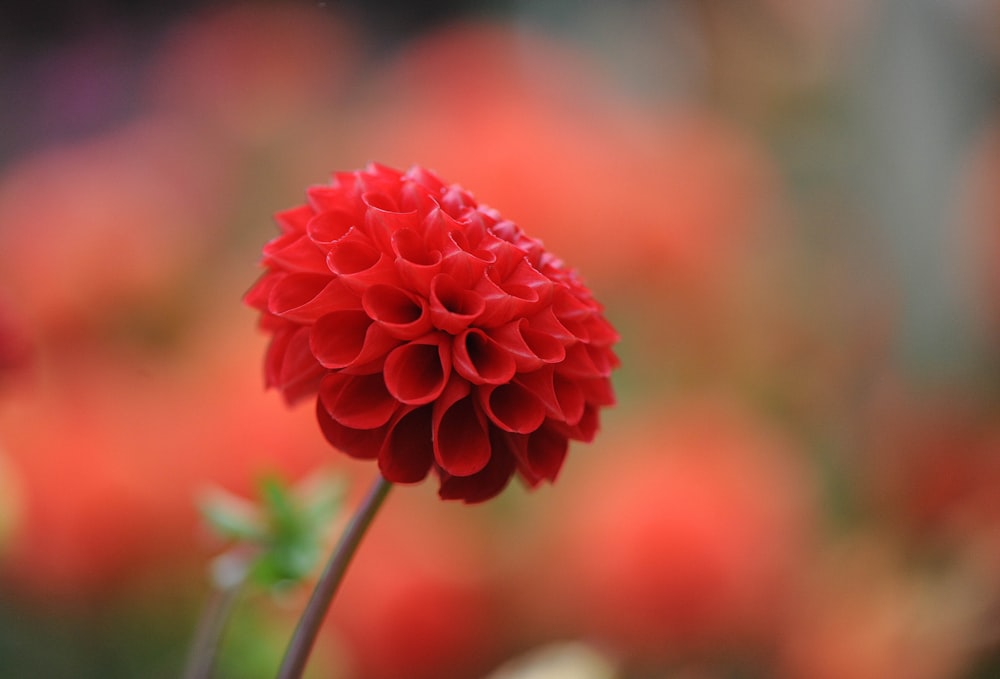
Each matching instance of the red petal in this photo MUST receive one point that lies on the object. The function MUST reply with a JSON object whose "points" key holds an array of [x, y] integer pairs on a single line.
{"points": [[530, 348], [259, 292], [357, 401], [513, 407], [295, 252], [452, 306], [598, 391], [383, 217], [545, 453], [352, 253], [401, 313], [417, 372], [461, 433], [481, 360], [407, 454], [546, 323], [563, 398], [417, 265], [349, 339], [359, 443], [579, 363], [484, 484], [290, 366], [466, 263], [294, 219], [304, 297], [328, 227], [504, 302]]}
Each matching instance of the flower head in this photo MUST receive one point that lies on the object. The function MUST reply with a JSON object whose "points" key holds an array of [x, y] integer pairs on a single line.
{"points": [[435, 334]]}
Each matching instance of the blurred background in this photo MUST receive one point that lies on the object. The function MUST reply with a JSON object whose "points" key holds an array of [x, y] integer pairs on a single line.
{"points": [[790, 209]]}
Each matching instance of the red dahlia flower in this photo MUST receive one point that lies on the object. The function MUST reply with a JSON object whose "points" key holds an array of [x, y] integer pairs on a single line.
{"points": [[436, 334]]}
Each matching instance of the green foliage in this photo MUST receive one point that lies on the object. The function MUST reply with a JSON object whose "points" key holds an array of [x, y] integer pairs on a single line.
{"points": [[277, 540]]}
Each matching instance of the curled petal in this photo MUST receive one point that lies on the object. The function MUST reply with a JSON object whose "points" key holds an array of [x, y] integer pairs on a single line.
{"points": [[428, 180], [481, 360], [461, 432], [360, 443], [349, 339], [456, 201], [529, 348], [513, 407], [563, 398], [525, 282], [352, 253], [295, 252], [258, 294], [338, 195], [518, 295], [603, 358], [328, 227], [580, 363], [545, 323], [540, 455], [416, 263], [294, 220], [290, 365], [597, 391], [484, 484], [452, 306], [304, 297], [417, 371], [401, 313], [407, 454], [574, 314], [600, 331], [585, 429], [383, 217], [466, 263], [357, 401]]}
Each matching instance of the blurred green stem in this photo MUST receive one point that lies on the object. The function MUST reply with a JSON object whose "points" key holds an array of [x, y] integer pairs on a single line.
{"points": [[208, 636], [319, 603]]}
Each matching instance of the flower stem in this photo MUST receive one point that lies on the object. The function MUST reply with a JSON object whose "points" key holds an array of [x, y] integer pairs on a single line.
{"points": [[209, 634], [319, 603]]}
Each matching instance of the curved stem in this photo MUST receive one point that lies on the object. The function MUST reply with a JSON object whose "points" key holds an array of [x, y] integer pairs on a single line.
{"points": [[209, 633], [319, 603]]}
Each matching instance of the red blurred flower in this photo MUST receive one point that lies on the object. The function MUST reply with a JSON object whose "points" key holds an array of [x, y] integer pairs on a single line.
{"points": [[145, 203], [252, 71], [109, 453], [683, 542], [436, 334], [420, 601]]}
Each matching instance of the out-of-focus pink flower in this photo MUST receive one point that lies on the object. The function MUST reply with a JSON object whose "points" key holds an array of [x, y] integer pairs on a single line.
{"points": [[682, 539], [436, 333], [420, 600], [251, 71], [633, 195], [89, 227]]}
